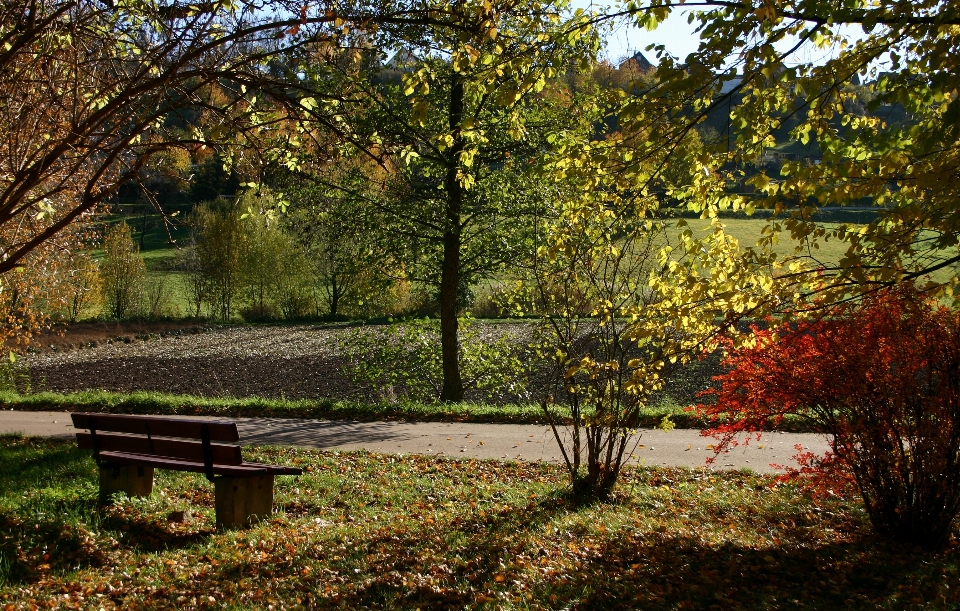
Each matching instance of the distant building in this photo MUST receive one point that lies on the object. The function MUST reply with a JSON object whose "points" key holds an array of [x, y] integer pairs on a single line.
{"points": [[402, 60], [730, 85], [637, 62]]}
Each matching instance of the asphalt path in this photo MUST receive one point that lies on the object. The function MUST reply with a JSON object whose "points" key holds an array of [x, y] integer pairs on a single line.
{"points": [[677, 448]]}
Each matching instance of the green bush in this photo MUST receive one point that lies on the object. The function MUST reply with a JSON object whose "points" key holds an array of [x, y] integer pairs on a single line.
{"points": [[123, 272], [216, 265], [402, 361], [83, 286]]}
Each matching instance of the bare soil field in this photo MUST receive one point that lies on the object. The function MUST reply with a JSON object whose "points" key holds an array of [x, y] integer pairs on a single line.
{"points": [[269, 361], [242, 361]]}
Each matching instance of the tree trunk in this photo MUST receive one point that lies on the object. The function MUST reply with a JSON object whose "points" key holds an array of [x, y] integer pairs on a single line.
{"points": [[449, 326], [334, 296], [450, 273]]}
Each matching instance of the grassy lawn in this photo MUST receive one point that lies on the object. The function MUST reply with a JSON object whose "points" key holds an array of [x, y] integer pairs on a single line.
{"points": [[361, 530], [748, 232], [825, 252]]}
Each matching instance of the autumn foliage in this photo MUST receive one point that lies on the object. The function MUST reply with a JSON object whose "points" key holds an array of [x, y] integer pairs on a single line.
{"points": [[882, 380]]}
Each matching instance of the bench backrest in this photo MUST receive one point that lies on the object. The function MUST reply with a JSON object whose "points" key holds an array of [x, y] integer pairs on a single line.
{"points": [[159, 426], [177, 438]]}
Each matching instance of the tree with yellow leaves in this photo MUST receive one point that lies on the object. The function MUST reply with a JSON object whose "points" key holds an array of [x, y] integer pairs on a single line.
{"points": [[453, 119], [900, 157]]}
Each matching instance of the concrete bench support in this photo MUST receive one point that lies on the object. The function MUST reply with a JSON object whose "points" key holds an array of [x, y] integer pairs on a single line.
{"points": [[132, 480], [241, 501]]}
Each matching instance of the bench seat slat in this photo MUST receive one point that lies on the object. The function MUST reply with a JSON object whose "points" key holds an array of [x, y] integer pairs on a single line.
{"points": [[159, 426], [162, 462], [170, 448]]}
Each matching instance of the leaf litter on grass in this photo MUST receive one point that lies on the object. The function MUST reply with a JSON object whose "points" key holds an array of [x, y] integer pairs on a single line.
{"points": [[364, 530]]}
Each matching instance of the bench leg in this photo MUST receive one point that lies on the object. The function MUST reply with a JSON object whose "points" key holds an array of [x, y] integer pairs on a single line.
{"points": [[132, 480], [241, 501]]}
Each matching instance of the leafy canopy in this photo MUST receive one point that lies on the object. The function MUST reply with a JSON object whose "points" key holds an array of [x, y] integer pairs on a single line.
{"points": [[900, 155]]}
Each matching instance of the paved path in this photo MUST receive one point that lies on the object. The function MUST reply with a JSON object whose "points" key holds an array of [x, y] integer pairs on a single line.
{"points": [[679, 447]]}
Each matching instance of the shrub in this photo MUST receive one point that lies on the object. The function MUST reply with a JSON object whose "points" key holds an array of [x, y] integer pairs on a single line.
{"points": [[83, 288], [602, 334], [262, 246], [218, 256], [159, 300], [490, 300], [882, 380], [123, 272], [402, 360], [255, 312], [291, 285], [195, 278]]}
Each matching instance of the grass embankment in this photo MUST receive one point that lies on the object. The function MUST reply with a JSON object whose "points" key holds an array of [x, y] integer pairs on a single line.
{"points": [[256, 407], [360, 530]]}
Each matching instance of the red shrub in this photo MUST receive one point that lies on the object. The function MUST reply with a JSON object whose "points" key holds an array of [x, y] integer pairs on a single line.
{"points": [[882, 380]]}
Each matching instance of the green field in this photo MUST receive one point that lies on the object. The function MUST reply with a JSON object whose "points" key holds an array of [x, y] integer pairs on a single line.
{"points": [[161, 257]]}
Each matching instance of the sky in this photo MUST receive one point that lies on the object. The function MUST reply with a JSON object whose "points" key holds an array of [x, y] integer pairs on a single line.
{"points": [[675, 34], [679, 38]]}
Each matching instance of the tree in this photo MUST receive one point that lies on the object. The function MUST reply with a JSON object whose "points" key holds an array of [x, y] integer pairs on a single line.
{"points": [[84, 89], [891, 145], [46, 284], [879, 378], [899, 156], [123, 272], [442, 119], [329, 214], [219, 246], [91, 91]]}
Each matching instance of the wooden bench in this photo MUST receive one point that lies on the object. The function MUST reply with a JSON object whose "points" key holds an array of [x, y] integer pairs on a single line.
{"points": [[128, 448]]}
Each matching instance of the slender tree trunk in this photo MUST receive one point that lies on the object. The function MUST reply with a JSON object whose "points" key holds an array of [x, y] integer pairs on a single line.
{"points": [[334, 295], [449, 327], [450, 273], [143, 226]]}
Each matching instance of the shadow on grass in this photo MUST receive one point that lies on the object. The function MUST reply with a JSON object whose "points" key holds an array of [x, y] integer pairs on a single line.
{"points": [[30, 463], [472, 551], [489, 544], [483, 559], [433, 565], [28, 550], [51, 520], [662, 571], [146, 535]]}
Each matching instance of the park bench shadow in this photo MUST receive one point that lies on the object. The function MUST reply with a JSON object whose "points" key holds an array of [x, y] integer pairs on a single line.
{"points": [[150, 535], [318, 434]]}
